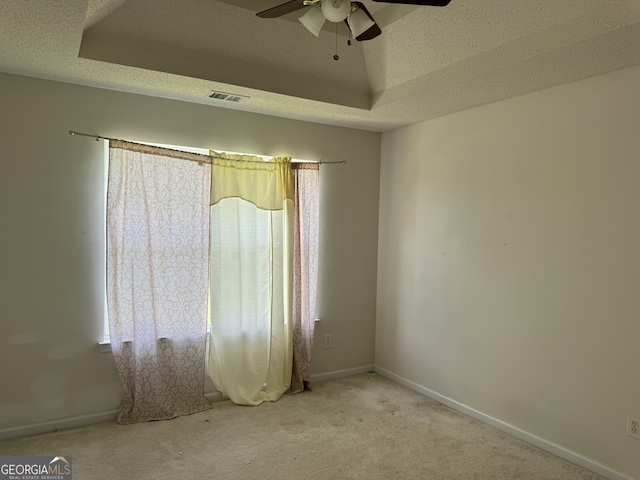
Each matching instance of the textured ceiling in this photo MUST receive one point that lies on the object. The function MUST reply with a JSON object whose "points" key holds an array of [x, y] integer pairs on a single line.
{"points": [[428, 61]]}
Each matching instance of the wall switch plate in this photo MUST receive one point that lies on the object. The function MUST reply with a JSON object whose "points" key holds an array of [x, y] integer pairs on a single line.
{"points": [[633, 426], [328, 341]]}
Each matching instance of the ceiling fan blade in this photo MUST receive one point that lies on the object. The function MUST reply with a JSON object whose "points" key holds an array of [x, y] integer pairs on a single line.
{"points": [[427, 3], [372, 32], [282, 9]]}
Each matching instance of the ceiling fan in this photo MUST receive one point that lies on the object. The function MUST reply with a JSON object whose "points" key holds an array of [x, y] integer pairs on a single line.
{"points": [[354, 14]]}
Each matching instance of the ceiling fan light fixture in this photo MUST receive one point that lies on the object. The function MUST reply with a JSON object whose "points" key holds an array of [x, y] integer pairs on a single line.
{"points": [[359, 22], [313, 20], [336, 10]]}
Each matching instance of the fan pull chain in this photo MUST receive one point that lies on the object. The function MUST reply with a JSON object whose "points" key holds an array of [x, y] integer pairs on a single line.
{"points": [[336, 57]]}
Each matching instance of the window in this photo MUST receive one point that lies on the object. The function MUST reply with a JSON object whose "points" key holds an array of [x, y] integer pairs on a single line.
{"points": [[104, 344]]}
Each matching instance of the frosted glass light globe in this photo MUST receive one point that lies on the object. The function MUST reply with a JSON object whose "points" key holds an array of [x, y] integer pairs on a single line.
{"points": [[336, 10]]}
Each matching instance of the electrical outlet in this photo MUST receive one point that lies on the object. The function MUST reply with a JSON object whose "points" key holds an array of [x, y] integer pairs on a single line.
{"points": [[328, 341], [633, 426]]}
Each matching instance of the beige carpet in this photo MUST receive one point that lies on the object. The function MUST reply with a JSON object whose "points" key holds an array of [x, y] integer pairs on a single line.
{"points": [[362, 427]]}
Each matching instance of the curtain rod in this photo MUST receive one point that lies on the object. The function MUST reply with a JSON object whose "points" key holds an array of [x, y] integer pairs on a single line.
{"points": [[98, 137]]}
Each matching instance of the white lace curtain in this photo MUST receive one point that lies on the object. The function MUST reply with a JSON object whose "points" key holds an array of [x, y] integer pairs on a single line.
{"points": [[157, 270], [305, 271]]}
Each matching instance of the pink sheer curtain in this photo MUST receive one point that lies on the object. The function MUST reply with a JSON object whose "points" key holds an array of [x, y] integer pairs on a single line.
{"points": [[157, 278], [305, 271]]}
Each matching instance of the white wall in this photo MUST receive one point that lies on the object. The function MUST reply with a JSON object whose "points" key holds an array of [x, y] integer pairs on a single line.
{"points": [[51, 267], [509, 263]]}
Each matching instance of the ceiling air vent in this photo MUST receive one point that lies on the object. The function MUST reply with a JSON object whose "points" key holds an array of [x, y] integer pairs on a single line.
{"points": [[227, 97]]}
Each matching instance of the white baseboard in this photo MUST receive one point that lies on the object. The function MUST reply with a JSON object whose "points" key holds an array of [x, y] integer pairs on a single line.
{"points": [[56, 425], [110, 416], [74, 422], [213, 396], [550, 447], [559, 451], [349, 372]]}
